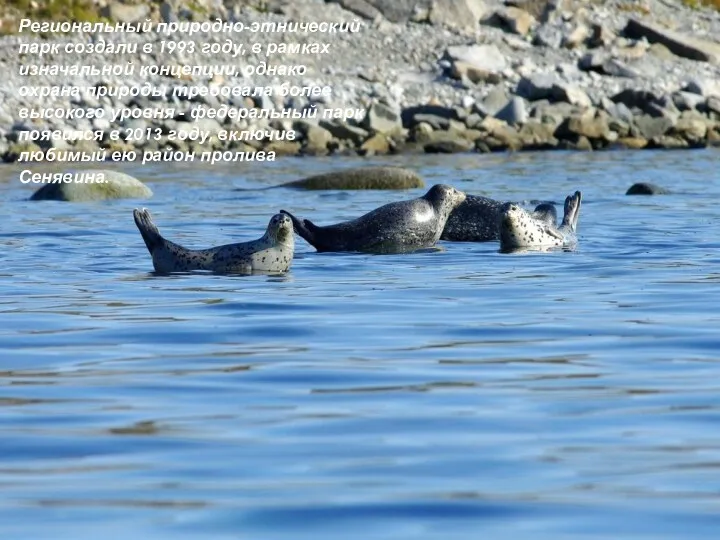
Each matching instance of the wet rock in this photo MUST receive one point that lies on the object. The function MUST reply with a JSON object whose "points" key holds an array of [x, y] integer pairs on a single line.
{"points": [[536, 135], [632, 143], [681, 45], [514, 112], [449, 146], [646, 188], [116, 186], [361, 178], [378, 144], [381, 118]]}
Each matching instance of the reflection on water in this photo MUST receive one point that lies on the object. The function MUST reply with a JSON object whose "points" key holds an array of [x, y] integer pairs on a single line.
{"points": [[435, 394]]}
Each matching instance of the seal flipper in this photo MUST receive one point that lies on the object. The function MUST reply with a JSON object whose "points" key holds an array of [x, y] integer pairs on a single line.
{"points": [[305, 228], [572, 211], [148, 229]]}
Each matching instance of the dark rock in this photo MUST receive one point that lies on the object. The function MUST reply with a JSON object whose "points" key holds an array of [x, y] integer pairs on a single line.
{"points": [[449, 146], [635, 98], [408, 115], [646, 188]]}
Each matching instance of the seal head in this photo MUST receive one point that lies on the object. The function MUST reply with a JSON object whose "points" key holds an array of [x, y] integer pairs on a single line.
{"points": [[519, 229]]}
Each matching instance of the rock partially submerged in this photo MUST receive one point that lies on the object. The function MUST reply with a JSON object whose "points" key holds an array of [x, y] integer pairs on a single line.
{"points": [[117, 185], [361, 178], [646, 188]]}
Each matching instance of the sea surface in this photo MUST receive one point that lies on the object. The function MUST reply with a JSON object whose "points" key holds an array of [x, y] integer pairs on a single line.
{"points": [[451, 394]]}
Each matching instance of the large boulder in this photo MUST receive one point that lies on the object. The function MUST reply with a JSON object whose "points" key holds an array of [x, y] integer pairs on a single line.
{"points": [[680, 44], [116, 185], [361, 178]]}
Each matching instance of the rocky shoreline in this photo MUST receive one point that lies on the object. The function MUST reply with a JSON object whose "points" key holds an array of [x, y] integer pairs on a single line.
{"points": [[438, 76]]}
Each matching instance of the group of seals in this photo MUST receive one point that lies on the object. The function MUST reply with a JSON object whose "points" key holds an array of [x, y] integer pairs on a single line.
{"points": [[477, 218], [396, 227]]}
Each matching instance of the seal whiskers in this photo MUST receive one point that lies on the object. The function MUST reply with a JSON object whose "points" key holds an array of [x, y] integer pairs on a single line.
{"points": [[273, 252]]}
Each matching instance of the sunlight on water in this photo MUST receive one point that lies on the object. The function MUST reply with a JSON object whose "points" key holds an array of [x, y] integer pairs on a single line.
{"points": [[435, 394]]}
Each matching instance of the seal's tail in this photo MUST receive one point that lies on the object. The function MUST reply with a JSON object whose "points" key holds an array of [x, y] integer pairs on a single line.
{"points": [[148, 229], [572, 210], [304, 228]]}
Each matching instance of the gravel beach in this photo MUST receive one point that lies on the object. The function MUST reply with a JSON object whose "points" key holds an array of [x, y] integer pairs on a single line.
{"points": [[434, 76]]}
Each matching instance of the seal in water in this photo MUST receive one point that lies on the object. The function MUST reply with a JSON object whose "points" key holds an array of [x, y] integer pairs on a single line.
{"points": [[393, 228], [519, 229], [273, 252], [477, 218]]}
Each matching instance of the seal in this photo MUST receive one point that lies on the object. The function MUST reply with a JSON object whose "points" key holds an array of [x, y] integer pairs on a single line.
{"points": [[477, 218], [393, 228], [273, 252], [520, 230]]}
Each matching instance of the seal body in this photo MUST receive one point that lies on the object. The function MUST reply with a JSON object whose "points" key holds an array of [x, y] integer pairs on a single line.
{"points": [[519, 229], [393, 228], [273, 252], [476, 219]]}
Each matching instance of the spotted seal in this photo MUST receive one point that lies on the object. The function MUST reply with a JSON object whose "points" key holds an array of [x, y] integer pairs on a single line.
{"points": [[393, 228], [519, 229], [477, 218], [273, 252]]}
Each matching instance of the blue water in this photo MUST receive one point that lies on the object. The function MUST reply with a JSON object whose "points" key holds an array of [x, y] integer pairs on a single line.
{"points": [[461, 393]]}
